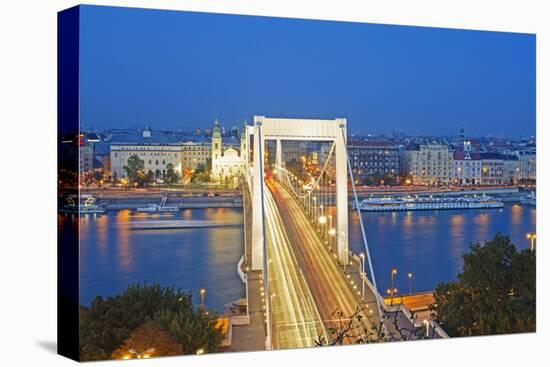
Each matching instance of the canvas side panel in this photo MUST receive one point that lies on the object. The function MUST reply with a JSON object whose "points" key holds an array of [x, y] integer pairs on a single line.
{"points": [[68, 166]]}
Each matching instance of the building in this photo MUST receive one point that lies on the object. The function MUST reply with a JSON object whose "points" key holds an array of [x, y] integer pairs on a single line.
{"points": [[527, 164], [492, 169], [374, 159], [428, 164], [466, 168], [195, 153], [511, 169], [228, 162], [156, 150]]}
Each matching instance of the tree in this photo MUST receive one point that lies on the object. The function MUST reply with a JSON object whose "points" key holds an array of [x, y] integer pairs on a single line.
{"points": [[201, 167], [495, 293], [194, 329], [171, 174], [135, 169], [149, 340], [150, 177], [349, 328], [108, 322]]}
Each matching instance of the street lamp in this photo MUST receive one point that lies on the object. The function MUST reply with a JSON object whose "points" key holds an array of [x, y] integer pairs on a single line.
{"points": [[202, 293], [362, 255], [314, 207], [532, 237], [427, 323], [393, 274], [410, 275]]}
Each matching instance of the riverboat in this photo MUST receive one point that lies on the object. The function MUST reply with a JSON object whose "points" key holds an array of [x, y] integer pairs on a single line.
{"points": [[159, 208], [83, 204], [408, 202], [529, 199]]}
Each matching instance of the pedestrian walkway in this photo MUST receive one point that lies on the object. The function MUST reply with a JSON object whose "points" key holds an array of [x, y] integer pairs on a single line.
{"points": [[252, 336]]}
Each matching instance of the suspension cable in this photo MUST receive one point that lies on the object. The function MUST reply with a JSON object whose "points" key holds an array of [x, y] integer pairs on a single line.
{"points": [[363, 233], [320, 175]]}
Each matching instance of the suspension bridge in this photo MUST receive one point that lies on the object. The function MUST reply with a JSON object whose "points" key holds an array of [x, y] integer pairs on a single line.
{"points": [[298, 251]]}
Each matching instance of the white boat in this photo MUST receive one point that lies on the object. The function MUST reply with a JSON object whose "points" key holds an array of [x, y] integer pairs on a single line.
{"points": [[159, 208], [529, 199], [82, 204], [406, 203]]}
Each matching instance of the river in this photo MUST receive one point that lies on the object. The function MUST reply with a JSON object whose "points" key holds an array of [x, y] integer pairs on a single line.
{"points": [[429, 244]]}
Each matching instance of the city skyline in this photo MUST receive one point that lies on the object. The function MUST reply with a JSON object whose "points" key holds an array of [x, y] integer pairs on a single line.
{"points": [[389, 85]]}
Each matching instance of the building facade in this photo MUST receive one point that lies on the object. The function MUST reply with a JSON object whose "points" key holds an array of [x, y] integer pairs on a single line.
{"points": [[511, 169], [428, 164], [466, 168], [527, 164], [492, 169], [374, 159], [156, 150], [227, 163]]}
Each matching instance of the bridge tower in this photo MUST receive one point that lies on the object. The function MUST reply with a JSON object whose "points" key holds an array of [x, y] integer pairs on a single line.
{"points": [[279, 129]]}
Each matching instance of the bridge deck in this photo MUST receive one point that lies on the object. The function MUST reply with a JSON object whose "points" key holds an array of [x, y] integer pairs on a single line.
{"points": [[330, 288]]}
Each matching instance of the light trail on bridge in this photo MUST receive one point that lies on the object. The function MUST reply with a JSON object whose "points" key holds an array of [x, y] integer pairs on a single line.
{"points": [[295, 320], [331, 289]]}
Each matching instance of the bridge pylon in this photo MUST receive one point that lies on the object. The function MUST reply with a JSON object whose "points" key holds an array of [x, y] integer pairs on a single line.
{"points": [[280, 129]]}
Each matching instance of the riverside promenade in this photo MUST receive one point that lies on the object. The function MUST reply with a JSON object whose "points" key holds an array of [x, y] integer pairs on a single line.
{"points": [[120, 199], [250, 337]]}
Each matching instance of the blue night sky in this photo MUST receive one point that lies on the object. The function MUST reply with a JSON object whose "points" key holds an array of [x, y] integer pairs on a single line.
{"points": [[179, 70]]}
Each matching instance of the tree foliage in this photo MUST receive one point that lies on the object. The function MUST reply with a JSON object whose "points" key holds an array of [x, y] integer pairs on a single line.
{"points": [[135, 169], [171, 174], [495, 293], [109, 321], [149, 340], [350, 329]]}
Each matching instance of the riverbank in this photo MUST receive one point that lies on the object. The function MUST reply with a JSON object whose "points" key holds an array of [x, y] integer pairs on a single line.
{"points": [[201, 198], [120, 199]]}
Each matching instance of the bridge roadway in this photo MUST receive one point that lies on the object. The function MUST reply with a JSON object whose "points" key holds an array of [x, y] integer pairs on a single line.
{"points": [[330, 288], [296, 323]]}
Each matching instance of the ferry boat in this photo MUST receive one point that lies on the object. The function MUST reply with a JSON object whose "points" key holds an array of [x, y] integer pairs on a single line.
{"points": [[159, 208], [83, 204], [406, 203], [529, 199]]}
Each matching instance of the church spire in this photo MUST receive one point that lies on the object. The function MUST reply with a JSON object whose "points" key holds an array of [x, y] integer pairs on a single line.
{"points": [[216, 132]]}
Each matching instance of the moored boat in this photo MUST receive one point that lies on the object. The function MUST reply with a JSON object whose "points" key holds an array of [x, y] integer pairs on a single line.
{"points": [[159, 208], [406, 203], [529, 199], [82, 204]]}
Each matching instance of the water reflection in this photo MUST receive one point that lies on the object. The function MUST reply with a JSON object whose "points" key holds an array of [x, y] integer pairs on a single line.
{"points": [[114, 255], [430, 244]]}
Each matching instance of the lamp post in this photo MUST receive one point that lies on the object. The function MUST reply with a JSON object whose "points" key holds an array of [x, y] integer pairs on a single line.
{"points": [[362, 255], [532, 237], [393, 273], [314, 206], [410, 275], [427, 323], [202, 293]]}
